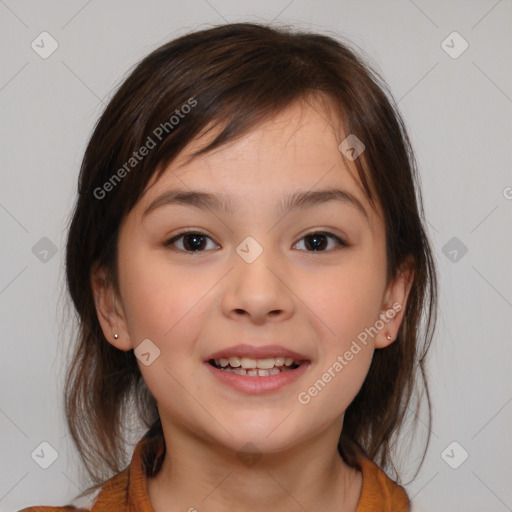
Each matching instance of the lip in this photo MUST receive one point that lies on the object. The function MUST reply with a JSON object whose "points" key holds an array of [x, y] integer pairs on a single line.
{"points": [[257, 352], [258, 385]]}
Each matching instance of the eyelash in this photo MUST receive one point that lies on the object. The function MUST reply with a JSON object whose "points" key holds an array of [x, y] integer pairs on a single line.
{"points": [[327, 234]]}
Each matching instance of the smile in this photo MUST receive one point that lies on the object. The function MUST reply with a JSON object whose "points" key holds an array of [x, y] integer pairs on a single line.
{"points": [[255, 367], [246, 375]]}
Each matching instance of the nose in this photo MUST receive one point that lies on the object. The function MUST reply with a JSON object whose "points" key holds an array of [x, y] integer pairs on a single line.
{"points": [[258, 291]]}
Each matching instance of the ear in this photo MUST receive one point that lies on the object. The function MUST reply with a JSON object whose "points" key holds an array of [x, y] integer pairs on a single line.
{"points": [[109, 310], [394, 304]]}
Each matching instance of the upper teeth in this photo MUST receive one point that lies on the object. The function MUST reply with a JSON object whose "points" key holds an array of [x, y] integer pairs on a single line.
{"points": [[247, 362]]}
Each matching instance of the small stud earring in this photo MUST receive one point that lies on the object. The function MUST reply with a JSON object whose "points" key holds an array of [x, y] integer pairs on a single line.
{"points": [[389, 336], [116, 336]]}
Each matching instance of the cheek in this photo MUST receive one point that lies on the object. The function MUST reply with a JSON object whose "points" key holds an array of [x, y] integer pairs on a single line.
{"points": [[349, 305], [158, 299], [347, 298], [164, 306]]}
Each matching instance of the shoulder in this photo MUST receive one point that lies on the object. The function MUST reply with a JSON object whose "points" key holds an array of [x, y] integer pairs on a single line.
{"points": [[379, 492], [124, 491]]}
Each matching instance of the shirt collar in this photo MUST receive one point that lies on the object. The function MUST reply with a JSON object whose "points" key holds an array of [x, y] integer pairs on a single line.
{"points": [[127, 491]]}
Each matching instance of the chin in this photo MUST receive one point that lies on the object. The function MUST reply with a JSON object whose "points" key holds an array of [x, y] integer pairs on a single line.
{"points": [[262, 438]]}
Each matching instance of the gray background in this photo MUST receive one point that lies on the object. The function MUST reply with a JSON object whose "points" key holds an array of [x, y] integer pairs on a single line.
{"points": [[458, 114]]}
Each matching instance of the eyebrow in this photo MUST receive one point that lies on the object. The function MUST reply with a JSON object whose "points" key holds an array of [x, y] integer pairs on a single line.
{"points": [[220, 202]]}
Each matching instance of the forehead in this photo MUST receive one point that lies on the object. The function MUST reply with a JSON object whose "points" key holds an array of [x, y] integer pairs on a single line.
{"points": [[297, 150]]}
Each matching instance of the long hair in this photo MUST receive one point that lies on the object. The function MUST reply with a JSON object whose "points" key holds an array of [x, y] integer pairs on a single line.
{"points": [[236, 76]]}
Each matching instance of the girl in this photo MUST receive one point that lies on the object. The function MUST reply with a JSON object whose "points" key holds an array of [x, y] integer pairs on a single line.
{"points": [[248, 260]]}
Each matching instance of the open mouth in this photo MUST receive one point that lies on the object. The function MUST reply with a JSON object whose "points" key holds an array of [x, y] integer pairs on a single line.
{"points": [[256, 367]]}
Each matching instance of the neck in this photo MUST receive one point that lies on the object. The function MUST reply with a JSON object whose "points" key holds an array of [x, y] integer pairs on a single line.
{"points": [[205, 476]]}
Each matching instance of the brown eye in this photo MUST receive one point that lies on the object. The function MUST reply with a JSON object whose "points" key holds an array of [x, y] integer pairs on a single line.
{"points": [[318, 241], [191, 241]]}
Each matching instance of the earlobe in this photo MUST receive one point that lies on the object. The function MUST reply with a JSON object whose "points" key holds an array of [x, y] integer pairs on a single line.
{"points": [[394, 305], [112, 321]]}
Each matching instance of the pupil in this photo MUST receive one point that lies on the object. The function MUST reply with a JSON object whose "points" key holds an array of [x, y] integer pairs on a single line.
{"points": [[318, 241], [195, 244]]}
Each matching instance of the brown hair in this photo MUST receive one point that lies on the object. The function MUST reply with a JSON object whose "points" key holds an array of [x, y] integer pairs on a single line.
{"points": [[236, 76]]}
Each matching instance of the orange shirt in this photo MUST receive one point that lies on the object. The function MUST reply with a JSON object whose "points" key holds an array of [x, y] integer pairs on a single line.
{"points": [[127, 491]]}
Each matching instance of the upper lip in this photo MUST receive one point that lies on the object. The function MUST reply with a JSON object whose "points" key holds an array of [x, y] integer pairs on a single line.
{"points": [[257, 352]]}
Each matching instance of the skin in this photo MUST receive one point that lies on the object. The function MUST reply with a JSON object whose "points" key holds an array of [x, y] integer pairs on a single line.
{"points": [[191, 304]]}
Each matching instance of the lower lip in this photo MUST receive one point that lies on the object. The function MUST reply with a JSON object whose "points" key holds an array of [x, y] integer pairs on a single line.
{"points": [[255, 385]]}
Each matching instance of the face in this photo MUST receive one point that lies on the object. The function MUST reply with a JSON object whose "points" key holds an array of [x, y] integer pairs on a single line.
{"points": [[309, 279]]}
